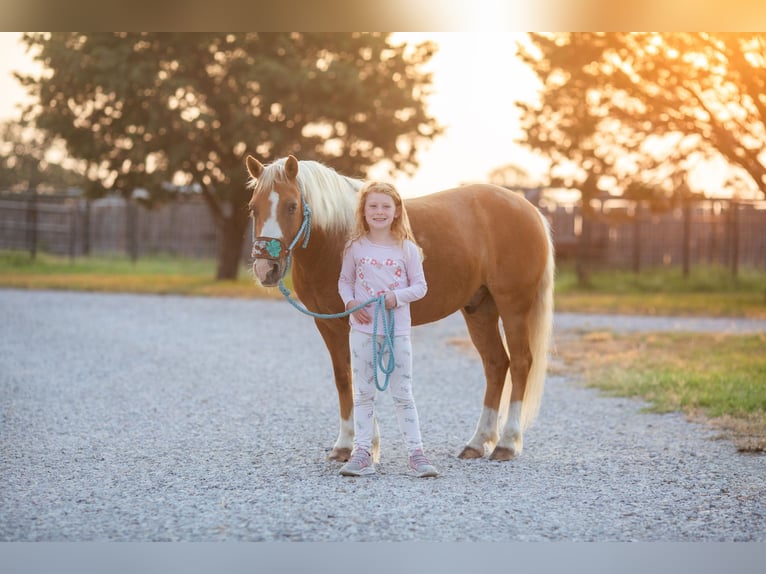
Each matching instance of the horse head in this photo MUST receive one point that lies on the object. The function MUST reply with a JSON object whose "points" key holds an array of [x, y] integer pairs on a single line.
{"points": [[278, 216]]}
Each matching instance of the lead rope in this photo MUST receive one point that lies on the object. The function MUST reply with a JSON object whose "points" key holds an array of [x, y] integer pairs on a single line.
{"points": [[378, 350], [387, 315]]}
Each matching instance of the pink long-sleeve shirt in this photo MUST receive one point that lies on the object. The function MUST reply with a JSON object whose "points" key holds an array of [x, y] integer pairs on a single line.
{"points": [[370, 269]]}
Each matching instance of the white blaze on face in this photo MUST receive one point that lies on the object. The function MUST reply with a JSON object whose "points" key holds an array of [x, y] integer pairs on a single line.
{"points": [[271, 226]]}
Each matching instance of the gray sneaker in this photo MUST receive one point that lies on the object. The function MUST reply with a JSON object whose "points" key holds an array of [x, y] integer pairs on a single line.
{"points": [[421, 465], [360, 464]]}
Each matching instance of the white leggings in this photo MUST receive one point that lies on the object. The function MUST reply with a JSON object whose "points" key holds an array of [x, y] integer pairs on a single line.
{"points": [[400, 384]]}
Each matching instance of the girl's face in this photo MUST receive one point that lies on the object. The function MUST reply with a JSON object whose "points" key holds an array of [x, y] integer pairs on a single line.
{"points": [[379, 210]]}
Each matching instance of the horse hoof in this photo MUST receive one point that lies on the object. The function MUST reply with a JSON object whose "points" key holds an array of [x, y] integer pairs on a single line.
{"points": [[502, 453], [470, 453], [340, 454]]}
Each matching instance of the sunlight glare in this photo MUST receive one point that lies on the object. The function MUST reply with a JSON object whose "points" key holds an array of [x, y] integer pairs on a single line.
{"points": [[489, 15]]}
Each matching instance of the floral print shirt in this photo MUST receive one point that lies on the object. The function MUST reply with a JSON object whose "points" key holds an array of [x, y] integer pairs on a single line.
{"points": [[370, 270]]}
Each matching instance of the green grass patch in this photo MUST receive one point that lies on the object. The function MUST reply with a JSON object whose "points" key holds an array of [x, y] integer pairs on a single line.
{"points": [[721, 378], [154, 274], [45, 264], [701, 279], [709, 291]]}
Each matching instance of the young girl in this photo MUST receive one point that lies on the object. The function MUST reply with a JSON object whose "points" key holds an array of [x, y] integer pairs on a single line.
{"points": [[382, 258]]}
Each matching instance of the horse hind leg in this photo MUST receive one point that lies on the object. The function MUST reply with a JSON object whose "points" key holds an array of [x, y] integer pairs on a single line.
{"points": [[511, 440], [482, 322]]}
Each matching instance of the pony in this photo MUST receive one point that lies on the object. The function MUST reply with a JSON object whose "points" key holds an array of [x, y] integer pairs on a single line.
{"points": [[487, 251]]}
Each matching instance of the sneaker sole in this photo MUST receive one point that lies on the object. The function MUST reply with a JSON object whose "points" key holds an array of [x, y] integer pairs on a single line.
{"points": [[427, 474], [364, 472]]}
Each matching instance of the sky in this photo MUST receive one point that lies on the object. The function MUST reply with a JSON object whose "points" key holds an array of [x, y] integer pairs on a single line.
{"points": [[476, 79], [12, 58]]}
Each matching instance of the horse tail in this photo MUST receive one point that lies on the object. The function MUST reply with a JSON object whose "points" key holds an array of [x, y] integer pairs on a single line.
{"points": [[540, 326]]}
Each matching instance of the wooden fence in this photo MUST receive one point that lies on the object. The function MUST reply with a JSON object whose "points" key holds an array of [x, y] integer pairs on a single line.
{"points": [[74, 226], [619, 235]]}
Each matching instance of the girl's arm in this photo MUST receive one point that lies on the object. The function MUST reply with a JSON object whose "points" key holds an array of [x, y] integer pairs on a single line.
{"points": [[347, 277], [417, 278], [346, 287]]}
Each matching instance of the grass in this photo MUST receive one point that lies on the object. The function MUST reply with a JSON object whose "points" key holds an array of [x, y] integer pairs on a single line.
{"points": [[156, 274], [717, 378], [708, 291]]}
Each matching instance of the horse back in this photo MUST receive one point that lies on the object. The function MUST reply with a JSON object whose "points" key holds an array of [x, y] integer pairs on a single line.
{"points": [[476, 237]]}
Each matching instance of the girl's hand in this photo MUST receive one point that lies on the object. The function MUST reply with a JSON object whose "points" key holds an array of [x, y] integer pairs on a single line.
{"points": [[390, 300], [361, 315]]}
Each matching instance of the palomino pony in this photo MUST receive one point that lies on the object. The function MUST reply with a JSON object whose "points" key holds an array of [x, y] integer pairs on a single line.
{"points": [[488, 253]]}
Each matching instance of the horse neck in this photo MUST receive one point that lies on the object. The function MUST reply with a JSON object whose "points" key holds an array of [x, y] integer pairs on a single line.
{"points": [[319, 262]]}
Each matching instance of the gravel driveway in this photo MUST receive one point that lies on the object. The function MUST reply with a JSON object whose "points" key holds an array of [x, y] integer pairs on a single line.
{"points": [[148, 418]]}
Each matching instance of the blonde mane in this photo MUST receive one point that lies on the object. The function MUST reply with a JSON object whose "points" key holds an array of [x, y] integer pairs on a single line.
{"points": [[331, 196]]}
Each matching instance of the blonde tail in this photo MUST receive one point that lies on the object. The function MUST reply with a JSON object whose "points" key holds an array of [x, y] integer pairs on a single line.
{"points": [[540, 332]]}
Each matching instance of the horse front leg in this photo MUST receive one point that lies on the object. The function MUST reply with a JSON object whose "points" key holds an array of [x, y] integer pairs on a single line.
{"points": [[335, 335]]}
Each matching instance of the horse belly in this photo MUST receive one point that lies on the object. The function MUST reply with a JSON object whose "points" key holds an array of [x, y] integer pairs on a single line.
{"points": [[440, 302]]}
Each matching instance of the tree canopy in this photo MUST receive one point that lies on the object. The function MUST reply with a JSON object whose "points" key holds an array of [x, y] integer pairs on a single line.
{"points": [[145, 109], [644, 109], [23, 162]]}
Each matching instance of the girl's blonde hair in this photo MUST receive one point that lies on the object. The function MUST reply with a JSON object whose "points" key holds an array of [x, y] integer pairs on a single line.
{"points": [[400, 228]]}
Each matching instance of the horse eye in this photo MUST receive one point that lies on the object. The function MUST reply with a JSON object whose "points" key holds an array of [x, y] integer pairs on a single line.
{"points": [[292, 208]]}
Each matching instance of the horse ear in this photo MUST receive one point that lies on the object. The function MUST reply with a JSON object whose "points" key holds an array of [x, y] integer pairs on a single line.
{"points": [[254, 167], [291, 167]]}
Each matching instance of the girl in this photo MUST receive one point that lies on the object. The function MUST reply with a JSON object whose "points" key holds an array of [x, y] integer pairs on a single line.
{"points": [[381, 257]]}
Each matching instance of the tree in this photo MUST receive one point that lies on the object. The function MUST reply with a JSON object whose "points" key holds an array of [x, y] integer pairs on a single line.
{"points": [[146, 109], [643, 107], [24, 165]]}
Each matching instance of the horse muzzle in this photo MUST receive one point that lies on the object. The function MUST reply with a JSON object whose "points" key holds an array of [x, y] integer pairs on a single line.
{"points": [[268, 272]]}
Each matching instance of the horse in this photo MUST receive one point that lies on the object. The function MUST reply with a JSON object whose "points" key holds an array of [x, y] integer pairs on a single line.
{"points": [[487, 252]]}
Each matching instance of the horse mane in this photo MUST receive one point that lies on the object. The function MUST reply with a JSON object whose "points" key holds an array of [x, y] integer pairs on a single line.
{"points": [[331, 196]]}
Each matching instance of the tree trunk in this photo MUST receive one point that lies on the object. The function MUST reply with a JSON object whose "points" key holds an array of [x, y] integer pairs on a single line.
{"points": [[231, 219], [232, 234]]}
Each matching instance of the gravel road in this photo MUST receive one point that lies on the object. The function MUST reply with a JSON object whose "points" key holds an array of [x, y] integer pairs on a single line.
{"points": [[150, 418]]}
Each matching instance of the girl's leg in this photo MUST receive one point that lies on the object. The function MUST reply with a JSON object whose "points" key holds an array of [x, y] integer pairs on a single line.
{"points": [[402, 395], [364, 389]]}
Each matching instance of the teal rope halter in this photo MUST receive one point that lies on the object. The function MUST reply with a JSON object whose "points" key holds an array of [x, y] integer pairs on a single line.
{"points": [[274, 249]]}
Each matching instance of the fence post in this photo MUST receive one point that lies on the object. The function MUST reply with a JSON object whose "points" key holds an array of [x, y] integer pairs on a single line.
{"points": [[86, 228], [637, 216], [734, 215], [72, 229], [131, 229], [686, 245], [31, 227], [583, 251]]}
